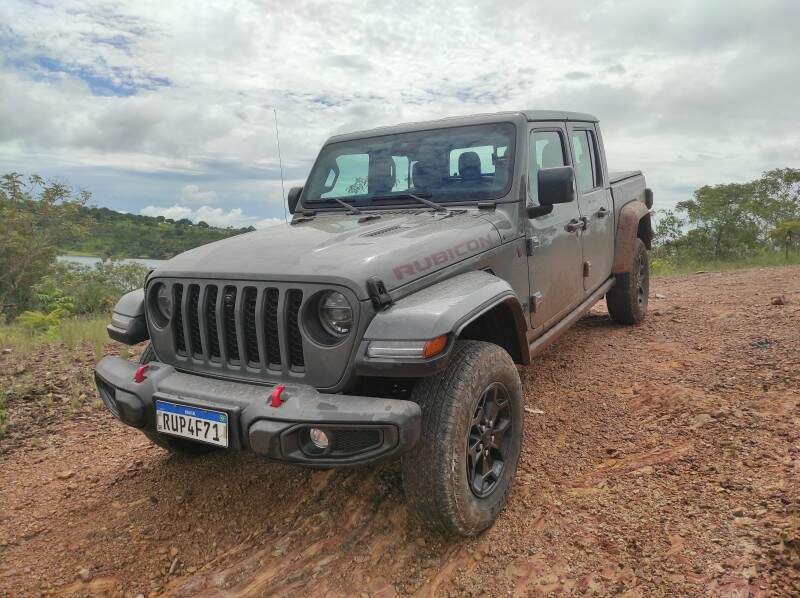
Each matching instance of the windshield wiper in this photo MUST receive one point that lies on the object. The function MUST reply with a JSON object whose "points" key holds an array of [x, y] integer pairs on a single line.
{"points": [[353, 209], [431, 204]]}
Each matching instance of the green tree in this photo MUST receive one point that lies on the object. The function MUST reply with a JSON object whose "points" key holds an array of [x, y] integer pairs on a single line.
{"points": [[36, 218], [778, 196], [728, 219], [787, 235]]}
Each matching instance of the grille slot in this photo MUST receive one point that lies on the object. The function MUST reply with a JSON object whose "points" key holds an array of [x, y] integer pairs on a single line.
{"points": [[271, 327], [211, 319], [177, 327], [250, 334], [248, 328], [195, 346], [296, 357], [229, 323]]}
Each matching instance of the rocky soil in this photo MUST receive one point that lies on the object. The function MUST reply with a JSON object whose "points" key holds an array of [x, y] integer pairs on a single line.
{"points": [[658, 460]]}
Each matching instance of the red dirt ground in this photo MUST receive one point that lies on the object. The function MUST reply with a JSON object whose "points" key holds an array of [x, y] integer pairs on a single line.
{"points": [[658, 460]]}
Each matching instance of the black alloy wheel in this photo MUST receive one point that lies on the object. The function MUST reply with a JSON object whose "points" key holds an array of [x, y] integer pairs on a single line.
{"points": [[488, 443]]}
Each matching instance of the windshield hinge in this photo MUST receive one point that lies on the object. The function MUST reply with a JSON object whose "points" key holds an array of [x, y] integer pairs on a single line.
{"points": [[377, 292]]}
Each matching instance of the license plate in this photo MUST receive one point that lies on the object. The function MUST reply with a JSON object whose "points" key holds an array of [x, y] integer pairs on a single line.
{"points": [[192, 422]]}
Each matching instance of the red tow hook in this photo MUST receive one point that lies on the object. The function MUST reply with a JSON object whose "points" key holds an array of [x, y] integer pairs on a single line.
{"points": [[275, 396], [139, 375]]}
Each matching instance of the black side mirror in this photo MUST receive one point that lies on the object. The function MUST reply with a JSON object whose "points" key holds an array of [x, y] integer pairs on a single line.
{"points": [[556, 185], [293, 198]]}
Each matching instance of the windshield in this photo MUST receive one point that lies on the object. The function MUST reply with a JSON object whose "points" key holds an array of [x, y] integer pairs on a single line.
{"points": [[469, 163]]}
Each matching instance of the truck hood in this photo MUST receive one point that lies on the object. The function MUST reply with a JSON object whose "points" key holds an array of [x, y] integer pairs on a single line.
{"points": [[338, 248]]}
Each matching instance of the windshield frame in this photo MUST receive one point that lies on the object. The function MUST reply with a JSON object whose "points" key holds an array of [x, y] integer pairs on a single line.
{"points": [[400, 198]]}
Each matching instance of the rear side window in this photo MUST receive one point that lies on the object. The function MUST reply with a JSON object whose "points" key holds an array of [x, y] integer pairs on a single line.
{"points": [[546, 151], [583, 159]]}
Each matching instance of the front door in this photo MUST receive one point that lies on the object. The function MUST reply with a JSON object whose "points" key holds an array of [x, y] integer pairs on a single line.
{"points": [[595, 205], [554, 265]]}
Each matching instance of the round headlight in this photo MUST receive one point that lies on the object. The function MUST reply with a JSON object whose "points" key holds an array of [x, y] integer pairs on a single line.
{"points": [[335, 313], [163, 301]]}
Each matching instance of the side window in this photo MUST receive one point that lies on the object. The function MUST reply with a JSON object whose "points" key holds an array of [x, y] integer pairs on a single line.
{"points": [[546, 151], [583, 160]]}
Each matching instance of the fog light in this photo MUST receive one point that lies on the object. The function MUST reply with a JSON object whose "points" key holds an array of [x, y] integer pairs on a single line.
{"points": [[319, 438]]}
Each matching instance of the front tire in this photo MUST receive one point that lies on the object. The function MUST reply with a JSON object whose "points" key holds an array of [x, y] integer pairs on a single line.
{"points": [[173, 445], [459, 474], [627, 299]]}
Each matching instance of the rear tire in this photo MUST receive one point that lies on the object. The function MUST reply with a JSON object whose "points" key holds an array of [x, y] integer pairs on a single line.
{"points": [[627, 299], [459, 474], [173, 445]]}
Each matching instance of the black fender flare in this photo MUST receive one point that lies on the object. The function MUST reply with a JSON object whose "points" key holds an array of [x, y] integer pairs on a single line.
{"points": [[444, 308]]}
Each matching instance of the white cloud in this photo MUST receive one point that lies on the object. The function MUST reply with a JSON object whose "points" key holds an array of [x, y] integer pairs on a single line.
{"points": [[210, 215], [668, 80], [192, 195]]}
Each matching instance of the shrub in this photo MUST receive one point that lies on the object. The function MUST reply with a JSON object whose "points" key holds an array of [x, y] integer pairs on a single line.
{"points": [[89, 290]]}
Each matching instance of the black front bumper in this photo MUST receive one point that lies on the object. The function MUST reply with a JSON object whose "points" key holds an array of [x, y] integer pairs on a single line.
{"points": [[362, 429]]}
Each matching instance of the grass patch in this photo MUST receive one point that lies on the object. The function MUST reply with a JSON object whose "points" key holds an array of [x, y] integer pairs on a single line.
{"points": [[72, 332], [662, 267]]}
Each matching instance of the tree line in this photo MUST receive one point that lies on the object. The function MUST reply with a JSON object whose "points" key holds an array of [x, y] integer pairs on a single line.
{"points": [[734, 221], [42, 219]]}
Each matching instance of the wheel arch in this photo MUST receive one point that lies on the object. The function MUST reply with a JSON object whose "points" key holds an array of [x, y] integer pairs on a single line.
{"points": [[502, 324], [634, 223], [474, 305]]}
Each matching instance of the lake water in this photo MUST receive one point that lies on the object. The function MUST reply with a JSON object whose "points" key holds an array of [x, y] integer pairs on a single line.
{"points": [[93, 261]]}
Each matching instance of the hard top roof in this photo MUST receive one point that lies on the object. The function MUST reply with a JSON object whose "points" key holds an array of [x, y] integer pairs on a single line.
{"points": [[473, 119]]}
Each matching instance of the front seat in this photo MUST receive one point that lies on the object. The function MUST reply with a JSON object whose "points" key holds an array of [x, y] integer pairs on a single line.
{"points": [[469, 166], [422, 175], [381, 175]]}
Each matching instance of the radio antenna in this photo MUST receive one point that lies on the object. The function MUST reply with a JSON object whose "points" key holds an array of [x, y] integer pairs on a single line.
{"points": [[280, 162]]}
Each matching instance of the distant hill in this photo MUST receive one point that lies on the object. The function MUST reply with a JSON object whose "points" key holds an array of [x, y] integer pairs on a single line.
{"points": [[118, 235]]}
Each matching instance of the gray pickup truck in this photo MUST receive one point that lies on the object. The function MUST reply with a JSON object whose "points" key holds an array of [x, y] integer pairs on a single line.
{"points": [[423, 263]]}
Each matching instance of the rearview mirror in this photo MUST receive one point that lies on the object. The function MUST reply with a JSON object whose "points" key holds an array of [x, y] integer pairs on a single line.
{"points": [[293, 198], [556, 185]]}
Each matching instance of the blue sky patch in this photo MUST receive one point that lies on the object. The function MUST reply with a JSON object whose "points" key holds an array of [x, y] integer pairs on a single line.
{"points": [[118, 82]]}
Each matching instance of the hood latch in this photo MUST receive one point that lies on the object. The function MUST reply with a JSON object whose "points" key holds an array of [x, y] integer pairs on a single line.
{"points": [[378, 293]]}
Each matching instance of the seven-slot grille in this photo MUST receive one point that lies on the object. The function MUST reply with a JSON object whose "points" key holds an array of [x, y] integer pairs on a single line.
{"points": [[238, 325]]}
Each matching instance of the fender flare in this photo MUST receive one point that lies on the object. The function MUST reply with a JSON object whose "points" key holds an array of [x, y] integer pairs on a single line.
{"points": [[634, 222], [446, 307]]}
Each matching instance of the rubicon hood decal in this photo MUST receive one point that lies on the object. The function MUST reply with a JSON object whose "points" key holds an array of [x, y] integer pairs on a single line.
{"points": [[440, 258]]}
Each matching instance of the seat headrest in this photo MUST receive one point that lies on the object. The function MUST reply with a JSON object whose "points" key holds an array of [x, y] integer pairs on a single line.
{"points": [[552, 155], [469, 166], [422, 175], [381, 175]]}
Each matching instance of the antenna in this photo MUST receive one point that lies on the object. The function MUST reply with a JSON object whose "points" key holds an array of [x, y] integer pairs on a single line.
{"points": [[280, 162]]}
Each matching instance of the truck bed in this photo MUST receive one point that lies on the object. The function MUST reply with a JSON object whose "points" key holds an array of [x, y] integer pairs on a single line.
{"points": [[615, 177], [626, 187]]}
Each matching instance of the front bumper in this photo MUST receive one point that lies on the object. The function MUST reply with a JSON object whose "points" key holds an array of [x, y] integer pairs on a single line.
{"points": [[363, 429]]}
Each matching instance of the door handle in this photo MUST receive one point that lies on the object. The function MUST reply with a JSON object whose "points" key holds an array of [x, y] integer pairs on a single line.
{"points": [[602, 213], [575, 224]]}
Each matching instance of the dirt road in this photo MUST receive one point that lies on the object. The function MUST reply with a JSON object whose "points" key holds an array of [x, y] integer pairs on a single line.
{"points": [[658, 460]]}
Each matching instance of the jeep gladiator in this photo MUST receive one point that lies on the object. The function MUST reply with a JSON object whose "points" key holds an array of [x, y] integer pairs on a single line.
{"points": [[422, 264]]}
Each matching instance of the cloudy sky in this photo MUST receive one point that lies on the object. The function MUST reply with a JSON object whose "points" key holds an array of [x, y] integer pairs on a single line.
{"points": [[167, 107]]}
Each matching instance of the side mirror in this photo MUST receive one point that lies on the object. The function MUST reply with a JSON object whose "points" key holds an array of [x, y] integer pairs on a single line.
{"points": [[293, 198], [556, 185]]}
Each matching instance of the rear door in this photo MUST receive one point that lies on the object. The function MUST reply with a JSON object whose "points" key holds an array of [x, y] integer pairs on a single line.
{"points": [[554, 244], [595, 205]]}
